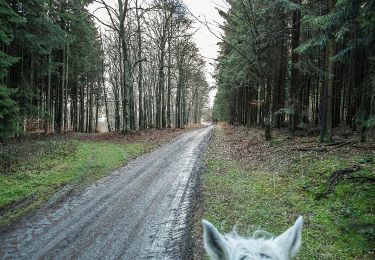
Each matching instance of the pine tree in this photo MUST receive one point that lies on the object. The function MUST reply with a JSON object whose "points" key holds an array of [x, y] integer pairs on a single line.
{"points": [[300, 62], [8, 107]]}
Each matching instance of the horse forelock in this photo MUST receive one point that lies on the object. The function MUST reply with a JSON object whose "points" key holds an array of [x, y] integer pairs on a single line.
{"points": [[253, 248]]}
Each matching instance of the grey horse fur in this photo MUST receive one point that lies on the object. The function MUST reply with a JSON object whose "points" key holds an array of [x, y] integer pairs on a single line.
{"points": [[235, 247]]}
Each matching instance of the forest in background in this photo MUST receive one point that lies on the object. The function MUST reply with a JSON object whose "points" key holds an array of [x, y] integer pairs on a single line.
{"points": [[59, 72], [302, 64]]}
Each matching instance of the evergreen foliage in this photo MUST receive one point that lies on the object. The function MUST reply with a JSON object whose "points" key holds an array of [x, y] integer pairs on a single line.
{"points": [[8, 113], [8, 107], [297, 63]]}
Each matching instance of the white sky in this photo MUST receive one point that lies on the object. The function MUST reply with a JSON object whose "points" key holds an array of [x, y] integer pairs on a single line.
{"points": [[206, 42], [205, 10]]}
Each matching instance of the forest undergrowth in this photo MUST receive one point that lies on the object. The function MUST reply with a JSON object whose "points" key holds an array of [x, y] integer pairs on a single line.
{"points": [[253, 184], [37, 169]]}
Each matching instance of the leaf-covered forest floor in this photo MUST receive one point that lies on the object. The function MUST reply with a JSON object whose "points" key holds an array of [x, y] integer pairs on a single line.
{"points": [[39, 169], [253, 184]]}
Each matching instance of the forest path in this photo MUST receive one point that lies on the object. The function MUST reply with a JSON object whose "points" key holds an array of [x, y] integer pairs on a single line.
{"points": [[140, 211]]}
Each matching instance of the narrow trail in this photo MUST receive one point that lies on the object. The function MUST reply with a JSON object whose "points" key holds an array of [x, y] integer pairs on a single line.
{"points": [[138, 212]]}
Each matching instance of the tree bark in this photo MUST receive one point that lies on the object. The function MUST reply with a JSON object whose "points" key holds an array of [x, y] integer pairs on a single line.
{"points": [[48, 102], [140, 71], [294, 74], [326, 132]]}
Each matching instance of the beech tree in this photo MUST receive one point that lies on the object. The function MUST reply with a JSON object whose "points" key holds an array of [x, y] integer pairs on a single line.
{"points": [[67, 75], [158, 82]]}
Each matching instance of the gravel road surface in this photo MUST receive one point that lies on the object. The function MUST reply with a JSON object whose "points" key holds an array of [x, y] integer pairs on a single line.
{"points": [[141, 211]]}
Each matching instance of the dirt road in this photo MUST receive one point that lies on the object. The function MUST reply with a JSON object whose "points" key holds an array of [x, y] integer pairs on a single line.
{"points": [[141, 211]]}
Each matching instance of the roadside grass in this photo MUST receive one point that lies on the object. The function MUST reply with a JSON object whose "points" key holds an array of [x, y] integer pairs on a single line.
{"points": [[41, 168], [37, 169], [269, 194]]}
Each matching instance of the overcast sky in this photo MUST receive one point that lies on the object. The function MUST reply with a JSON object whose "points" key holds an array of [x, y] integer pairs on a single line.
{"points": [[204, 10]]}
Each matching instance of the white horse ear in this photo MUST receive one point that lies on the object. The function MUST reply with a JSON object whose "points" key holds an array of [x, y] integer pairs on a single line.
{"points": [[290, 240], [214, 242]]}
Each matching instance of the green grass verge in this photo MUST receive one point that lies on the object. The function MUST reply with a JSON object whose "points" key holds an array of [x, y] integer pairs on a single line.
{"points": [[341, 226], [41, 168]]}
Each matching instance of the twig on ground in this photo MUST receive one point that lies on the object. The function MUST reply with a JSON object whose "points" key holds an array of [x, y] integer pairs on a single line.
{"points": [[314, 149], [341, 145], [334, 179]]}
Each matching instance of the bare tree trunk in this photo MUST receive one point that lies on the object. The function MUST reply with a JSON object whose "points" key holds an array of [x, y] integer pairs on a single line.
{"points": [[82, 109], [125, 103], [331, 71], [48, 103], [140, 71], [326, 128], [60, 96], [66, 125], [267, 112], [160, 86], [97, 110], [294, 89], [169, 78], [105, 99]]}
